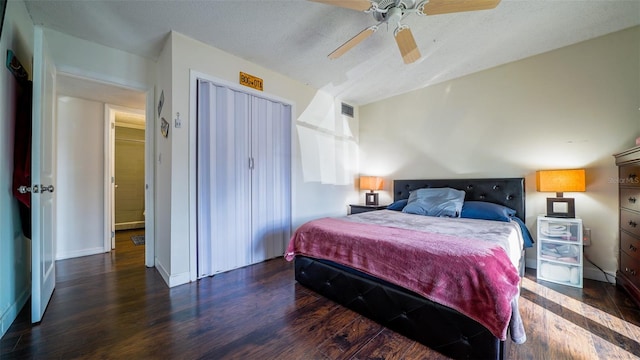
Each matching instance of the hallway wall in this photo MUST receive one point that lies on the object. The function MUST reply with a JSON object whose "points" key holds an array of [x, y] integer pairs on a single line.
{"points": [[80, 182]]}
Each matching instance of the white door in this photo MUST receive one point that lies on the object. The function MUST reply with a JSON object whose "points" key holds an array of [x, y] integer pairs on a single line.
{"points": [[43, 205], [224, 189], [270, 178], [243, 178]]}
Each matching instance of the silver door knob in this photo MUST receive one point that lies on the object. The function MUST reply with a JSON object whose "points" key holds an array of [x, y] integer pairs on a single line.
{"points": [[26, 189], [46, 188]]}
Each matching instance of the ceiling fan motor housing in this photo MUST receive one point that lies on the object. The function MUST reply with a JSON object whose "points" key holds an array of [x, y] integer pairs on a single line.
{"points": [[385, 9]]}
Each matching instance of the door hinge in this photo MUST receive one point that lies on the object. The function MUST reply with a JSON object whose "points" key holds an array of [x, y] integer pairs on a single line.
{"points": [[251, 163], [113, 234], [113, 179]]}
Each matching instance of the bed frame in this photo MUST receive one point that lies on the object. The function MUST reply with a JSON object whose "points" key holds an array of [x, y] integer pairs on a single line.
{"points": [[436, 326]]}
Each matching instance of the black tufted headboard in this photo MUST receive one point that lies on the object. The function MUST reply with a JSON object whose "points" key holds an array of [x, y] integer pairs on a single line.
{"points": [[504, 191]]}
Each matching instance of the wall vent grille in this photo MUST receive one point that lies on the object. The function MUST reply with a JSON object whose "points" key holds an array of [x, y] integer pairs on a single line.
{"points": [[347, 110]]}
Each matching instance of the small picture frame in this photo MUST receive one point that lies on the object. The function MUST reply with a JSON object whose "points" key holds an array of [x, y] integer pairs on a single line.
{"points": [[164, 128], [561, 208], [371, 198], [160, 102]]}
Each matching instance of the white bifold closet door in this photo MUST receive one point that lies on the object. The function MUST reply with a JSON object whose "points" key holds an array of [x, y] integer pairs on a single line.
{"points": [[243, 178]]}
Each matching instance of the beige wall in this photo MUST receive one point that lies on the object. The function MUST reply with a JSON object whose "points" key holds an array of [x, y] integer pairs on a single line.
{"points": [[311, 197], [80, 177], [569, 108]]}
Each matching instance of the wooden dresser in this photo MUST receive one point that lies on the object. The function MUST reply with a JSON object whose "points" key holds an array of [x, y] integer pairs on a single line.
{"points": [[628, 274]]}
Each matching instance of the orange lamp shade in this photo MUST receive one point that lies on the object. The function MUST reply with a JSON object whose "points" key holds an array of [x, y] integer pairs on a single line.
{"points": [[560, 181], [371, 183]]}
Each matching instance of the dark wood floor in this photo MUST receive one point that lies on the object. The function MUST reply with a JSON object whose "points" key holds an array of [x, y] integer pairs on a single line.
{"points": [[111, 306]]}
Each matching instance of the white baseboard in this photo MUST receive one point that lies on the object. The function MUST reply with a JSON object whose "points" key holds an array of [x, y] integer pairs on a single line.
{"points": [[172, 280], [180, 279], [163, 272], [595, 274], [130, 225], [79, 253], [7, 318]]}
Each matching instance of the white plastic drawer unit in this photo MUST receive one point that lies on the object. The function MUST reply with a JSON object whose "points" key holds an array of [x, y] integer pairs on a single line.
{"points": [[560, 250]]}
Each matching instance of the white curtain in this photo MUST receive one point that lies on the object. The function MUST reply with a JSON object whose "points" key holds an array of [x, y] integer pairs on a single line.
{"points": [[243, 178]]}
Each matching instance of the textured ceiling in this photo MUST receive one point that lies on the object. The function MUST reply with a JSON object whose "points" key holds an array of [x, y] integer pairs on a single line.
{"points": [[294, 37]]}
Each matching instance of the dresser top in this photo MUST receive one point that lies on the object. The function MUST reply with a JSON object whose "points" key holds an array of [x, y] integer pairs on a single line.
{"points": [[630, 155]]}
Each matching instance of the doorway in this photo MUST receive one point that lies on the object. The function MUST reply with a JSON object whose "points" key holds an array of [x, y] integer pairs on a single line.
{"points": [[128, 159], [100, 98]]}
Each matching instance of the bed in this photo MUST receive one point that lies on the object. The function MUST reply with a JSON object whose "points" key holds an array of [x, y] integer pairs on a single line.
{"points": [[452, 328]]}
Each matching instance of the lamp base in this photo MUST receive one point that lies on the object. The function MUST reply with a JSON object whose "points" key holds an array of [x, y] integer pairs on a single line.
{"points": [[371, 198], [561, 207]]}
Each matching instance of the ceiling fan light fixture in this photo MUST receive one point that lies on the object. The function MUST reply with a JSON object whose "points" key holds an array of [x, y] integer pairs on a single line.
{"points": [[392, 12]]}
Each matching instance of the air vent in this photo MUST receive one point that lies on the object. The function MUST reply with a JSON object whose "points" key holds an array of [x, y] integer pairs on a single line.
{"points": [[347, 110]]}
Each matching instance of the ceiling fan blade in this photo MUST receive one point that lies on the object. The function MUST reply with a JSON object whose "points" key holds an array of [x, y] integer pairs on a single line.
{"points": [[359, 5], [435, 7], [407, 45], [352, 42]]}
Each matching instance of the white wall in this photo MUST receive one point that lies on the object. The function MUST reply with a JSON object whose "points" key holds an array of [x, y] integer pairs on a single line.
{"points": [[569, 108], [92, 61], [80, 177], [311, 198], [163, 167], [15, 249]]}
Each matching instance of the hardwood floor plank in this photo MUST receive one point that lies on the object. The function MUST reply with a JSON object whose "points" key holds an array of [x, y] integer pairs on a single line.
{"points": [[385, 346], [348, 341], [110, 306]]}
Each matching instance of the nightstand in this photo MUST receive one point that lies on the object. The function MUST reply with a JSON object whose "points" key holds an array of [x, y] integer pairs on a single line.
{"points": [[560, 250], [357, 209]]}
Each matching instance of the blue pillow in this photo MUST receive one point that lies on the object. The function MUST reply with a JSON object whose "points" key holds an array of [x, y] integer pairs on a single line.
{"points": [[528, 239], [398, 205], [489, 211], [444, 202], [486, 211]]}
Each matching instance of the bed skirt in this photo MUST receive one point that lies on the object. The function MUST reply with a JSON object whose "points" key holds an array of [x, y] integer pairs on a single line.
{"points": [[438, 327]]}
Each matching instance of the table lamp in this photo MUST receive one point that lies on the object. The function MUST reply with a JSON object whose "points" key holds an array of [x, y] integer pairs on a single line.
{"points": [[371, 183], [560, 181]]}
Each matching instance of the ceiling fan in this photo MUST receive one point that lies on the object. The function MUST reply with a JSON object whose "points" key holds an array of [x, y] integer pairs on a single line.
{"points": [[392, 12]]}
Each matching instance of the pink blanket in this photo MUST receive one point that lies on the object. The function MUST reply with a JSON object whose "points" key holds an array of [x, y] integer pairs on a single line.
{"points": [[474, 277]]}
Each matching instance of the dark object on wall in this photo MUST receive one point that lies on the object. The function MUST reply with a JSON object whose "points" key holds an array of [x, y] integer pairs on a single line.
{"points": [[3, 10], [22, 140], [16, 68]]}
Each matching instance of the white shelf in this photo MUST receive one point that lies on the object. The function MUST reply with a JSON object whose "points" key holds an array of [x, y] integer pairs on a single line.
{"points": [[560, 250]]}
